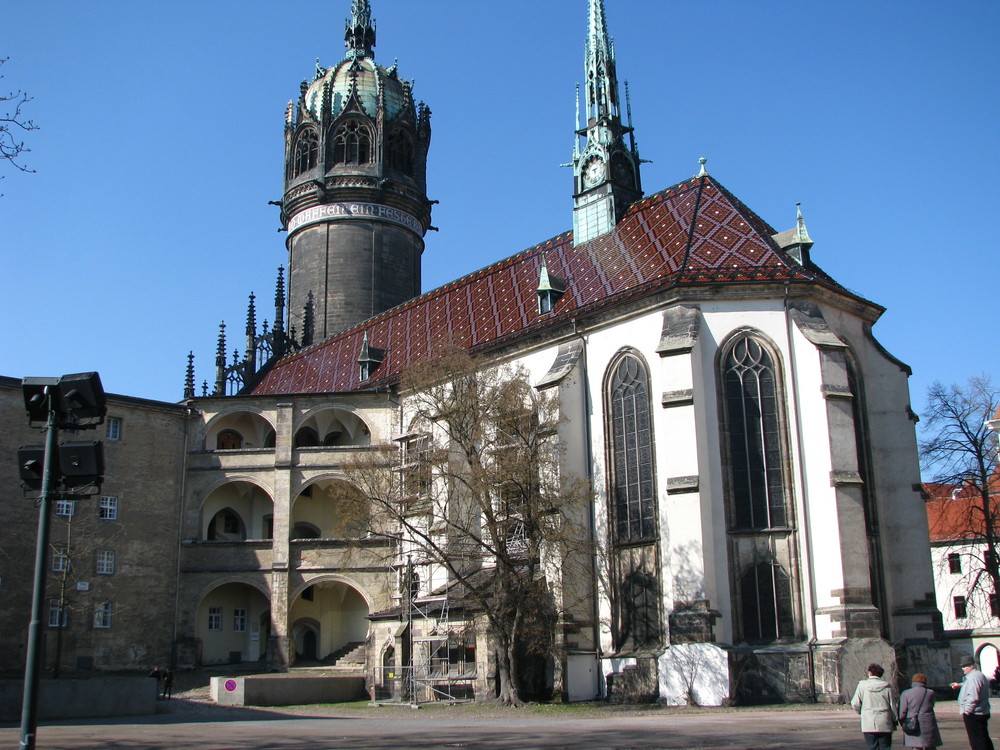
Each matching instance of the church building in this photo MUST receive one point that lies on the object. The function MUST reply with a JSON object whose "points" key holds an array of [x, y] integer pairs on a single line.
{"points": [[756, 500]]}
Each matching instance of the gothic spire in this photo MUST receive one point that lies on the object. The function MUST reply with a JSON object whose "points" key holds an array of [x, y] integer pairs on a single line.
{"points": [[359, 33], [189, 377], [602, 82]]}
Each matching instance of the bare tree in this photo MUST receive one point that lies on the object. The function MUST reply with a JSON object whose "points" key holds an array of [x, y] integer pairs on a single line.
{"points": [[13, 124], [960, 451], [480, 495]]}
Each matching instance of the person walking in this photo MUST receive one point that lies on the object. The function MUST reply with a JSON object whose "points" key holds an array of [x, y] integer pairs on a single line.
{"points": [[917, 703], [974, 703], [873, 700], [168, 683]]}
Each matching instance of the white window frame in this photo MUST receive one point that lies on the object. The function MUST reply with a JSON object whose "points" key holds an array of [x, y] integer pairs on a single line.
{"points": [[103, 612], [105, 562], [65, 508], [109, 508], [215, 618], [114, 429], [239, 620], [58, 615], [60, 560]]}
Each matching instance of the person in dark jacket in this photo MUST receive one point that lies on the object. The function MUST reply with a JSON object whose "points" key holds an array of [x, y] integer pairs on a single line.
{"points": [[168, 683], [918, 703], [873, 700]]}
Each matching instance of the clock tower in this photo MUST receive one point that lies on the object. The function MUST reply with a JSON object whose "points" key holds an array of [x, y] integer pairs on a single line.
{"points": [[606, 170], [355, 203]]}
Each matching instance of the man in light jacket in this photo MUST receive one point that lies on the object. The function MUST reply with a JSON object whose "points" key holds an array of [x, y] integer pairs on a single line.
{"points": [[873, 700], [974, 703]]}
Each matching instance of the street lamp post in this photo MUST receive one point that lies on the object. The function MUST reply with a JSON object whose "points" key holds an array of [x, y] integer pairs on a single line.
{"points": [[78, 402]]}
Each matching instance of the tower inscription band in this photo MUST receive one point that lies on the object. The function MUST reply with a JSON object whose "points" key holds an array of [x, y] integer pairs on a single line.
{"points": [[344, 211]]}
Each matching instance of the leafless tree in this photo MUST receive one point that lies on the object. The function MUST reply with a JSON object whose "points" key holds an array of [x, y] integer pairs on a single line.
{"points": [[960, 451], [13, 125], [477, 491]]}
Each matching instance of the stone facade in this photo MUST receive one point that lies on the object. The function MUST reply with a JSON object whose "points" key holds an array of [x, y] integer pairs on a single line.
{"points": [[126, 559]]}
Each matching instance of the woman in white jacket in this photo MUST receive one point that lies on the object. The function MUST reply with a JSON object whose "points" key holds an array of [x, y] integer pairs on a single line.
{"points": [[873, 700]]}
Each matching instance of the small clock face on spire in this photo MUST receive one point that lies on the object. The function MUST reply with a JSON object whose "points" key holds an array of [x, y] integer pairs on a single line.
{"points": [[593, 171]]}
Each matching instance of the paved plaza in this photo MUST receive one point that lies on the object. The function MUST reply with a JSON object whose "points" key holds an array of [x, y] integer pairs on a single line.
{"points": [[199, 726]]}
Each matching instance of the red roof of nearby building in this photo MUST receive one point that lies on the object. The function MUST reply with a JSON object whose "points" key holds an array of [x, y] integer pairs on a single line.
{"points": [[955, 511], [692, 234]]}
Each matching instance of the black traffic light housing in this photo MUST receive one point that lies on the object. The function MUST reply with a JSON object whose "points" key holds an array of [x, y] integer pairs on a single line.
{"points": [[78, 399]]}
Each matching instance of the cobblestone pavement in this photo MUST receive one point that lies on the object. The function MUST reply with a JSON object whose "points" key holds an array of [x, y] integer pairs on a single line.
{"points": [[190, 721]]}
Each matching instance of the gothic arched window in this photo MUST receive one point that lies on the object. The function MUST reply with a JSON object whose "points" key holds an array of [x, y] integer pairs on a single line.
{"points": [[634, 498], [401, 151], [755, 450], [306, 152], [352, 144], [765, 592]]}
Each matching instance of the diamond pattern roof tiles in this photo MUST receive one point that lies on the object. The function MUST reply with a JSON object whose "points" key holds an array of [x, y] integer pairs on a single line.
{"points": [[694, 233]]}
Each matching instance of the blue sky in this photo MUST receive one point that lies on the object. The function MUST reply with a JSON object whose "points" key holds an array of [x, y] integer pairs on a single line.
{"points": [[161, 143]]}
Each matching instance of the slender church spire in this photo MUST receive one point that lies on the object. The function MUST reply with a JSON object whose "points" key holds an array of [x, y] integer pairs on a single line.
{"points": [[606, 171], [359, 34]]}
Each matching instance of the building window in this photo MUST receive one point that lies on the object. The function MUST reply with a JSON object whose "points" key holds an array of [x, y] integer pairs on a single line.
{"points": [[766, 603], [994, 605], [60, 560], [640, 609], [239, 620], [109, 508], [401, 151], [65, 508], [960, 609], [114, 431], [352, 144], [228, 440], [215, 618], [416, 466], [102, 615], [758, 487], [58, 616], [634, 500], [306, 151], [955, 563], [105, 562]]}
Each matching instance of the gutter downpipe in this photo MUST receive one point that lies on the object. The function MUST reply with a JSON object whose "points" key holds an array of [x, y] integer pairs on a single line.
{"points": [[801, 471]]}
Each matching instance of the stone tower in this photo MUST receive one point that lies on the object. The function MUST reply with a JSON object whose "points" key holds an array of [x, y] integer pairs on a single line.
{"points": [[355, 203], [606, 171]]}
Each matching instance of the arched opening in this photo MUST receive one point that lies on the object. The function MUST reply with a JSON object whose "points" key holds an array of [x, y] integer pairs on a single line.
{"points": [[306, 152], [329, 509], [305, 632], [337, 616], [239, 430], [233, 624], [351, 144], [332, 428], [226, 526], [228, 440], [237, 511]]}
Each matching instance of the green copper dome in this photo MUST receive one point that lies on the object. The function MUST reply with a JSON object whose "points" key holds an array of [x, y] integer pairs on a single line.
{"points": [[360, 76]]}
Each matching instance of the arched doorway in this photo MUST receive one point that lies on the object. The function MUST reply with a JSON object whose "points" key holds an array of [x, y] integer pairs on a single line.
{"points": [[331, 617]]}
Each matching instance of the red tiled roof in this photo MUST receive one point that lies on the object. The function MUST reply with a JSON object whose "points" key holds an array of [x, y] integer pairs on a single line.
{"points": [[694, 233], [954, 512]]}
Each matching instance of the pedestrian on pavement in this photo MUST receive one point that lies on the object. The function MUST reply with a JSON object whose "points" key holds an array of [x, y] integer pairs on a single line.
{"points": [[974, 704], [168, 683], [918, 703], [873, 700]]}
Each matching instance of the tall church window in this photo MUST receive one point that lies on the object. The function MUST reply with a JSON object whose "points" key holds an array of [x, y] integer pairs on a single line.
{"points": [[761, 537], [352, 144], [401, 151], [766, 603], [758, 494], [637, 601], [306, 152], [632, 453]]}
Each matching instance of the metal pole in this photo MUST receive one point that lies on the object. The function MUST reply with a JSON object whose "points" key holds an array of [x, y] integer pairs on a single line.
{"points": [[29, 710]]}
